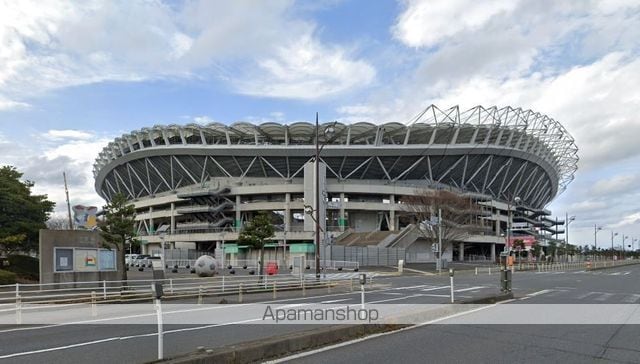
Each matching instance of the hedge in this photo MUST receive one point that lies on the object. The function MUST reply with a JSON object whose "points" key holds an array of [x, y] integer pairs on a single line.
{"points": [[24, 266], [7, 277]]}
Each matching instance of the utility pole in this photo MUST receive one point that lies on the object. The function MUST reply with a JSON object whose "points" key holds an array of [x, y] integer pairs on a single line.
{"points": [[66, 191], [439, 241], [317, 198]]}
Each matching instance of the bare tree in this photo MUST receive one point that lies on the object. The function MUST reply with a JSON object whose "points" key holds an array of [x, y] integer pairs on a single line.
{"points": [[461, 215], [58, 223]]}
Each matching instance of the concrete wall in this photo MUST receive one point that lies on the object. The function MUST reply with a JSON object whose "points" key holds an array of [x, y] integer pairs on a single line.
{"points": [[50, 239]]}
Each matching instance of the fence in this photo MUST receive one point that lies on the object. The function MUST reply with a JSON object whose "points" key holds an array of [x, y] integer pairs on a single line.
{"points": [[364, 256], [140, 290]]}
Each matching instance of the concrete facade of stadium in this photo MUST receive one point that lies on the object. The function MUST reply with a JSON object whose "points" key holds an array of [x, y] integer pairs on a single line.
{"points": [[200, 184]]}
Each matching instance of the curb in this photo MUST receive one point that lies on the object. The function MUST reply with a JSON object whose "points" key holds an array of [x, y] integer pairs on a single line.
{"points": [[488, 299]]}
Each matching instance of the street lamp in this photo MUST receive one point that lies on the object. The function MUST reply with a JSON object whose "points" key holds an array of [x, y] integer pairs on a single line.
{"points": [[596, 228], [516, 200], [162, 232], [329, 130], [624, 239], [612, 250], [568, 220]]}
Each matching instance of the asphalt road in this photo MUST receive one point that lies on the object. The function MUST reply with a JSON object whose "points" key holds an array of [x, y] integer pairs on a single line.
{"points": [[461, 340], [137, 343], [129, 343]]}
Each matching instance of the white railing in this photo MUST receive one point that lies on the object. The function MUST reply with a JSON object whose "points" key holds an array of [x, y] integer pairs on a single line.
{"points": [[141, 290], [556, 266]]}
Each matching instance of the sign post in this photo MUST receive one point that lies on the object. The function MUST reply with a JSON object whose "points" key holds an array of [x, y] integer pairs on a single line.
{"points": [[363, 280]]}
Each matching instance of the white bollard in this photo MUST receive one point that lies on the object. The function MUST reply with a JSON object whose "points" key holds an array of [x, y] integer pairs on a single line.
{"points": [[18, 310], [160, 330], [104, 290], [94, 310]]}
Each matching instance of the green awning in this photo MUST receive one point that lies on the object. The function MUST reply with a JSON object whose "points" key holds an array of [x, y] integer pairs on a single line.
{"points": [[302, 248]]}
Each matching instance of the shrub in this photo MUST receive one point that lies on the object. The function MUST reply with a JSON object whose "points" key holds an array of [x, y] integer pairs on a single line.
{"points": [[7, 277], [24, 266]]}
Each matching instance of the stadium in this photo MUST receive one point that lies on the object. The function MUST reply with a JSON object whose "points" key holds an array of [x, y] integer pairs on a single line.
{"points": [[198, 184]]}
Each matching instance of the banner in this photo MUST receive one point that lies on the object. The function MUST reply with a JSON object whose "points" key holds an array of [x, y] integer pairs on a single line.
{"points": [[84, 217]]}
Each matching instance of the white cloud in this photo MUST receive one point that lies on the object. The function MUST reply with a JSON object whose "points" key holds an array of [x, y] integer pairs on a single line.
{"points": [[50, 153], [47, 45], [426, 23], [619, 184], [305, 69], [629, 220], [204, 120], [67, 134]]}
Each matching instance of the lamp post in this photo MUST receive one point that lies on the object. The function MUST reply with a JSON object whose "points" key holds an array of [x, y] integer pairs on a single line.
{"points": [[568, 220], [510, 203], [612, 250], [328, 130], [596, 228], [624, 239]]}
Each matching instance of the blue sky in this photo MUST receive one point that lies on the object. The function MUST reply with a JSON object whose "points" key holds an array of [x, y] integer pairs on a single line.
{"points": [[74, 75]]}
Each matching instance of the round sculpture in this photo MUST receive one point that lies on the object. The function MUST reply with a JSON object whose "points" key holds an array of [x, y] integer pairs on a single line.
{"points": [[206, 266]]}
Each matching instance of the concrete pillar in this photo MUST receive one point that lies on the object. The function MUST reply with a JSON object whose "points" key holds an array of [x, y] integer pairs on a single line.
{"points": [[493, 252], [236, 223], [173, 218], [152, 228], [287, 211], [461, 252], [342, 222], [392, 213]]}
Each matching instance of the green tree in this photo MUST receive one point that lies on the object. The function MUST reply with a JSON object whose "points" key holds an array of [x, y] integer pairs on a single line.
{"points": [[536, 249], [256, 233], [118, 227], [22, 214], [552, 250]]}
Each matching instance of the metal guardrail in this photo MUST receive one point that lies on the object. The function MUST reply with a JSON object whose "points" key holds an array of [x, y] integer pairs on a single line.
{"points": [[71, 293], [557, 266]]}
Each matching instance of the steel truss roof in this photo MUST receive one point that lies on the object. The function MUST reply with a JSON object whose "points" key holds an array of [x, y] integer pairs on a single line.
{"points": [[503, 152]]}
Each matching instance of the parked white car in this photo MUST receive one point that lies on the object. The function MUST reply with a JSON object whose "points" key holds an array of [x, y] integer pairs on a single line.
{"points": [[129, 258]]}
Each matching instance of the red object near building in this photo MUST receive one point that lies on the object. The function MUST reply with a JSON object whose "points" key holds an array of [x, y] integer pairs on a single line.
{"points": [[272, 268]]}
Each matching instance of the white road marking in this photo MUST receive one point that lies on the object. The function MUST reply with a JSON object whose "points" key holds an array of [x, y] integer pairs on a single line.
{"points": [[539, 292], [334, 301], [434, 295], [60, 348], [604, 296], [468, 289], [435, 288], [631, 299], [583, 296]]}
